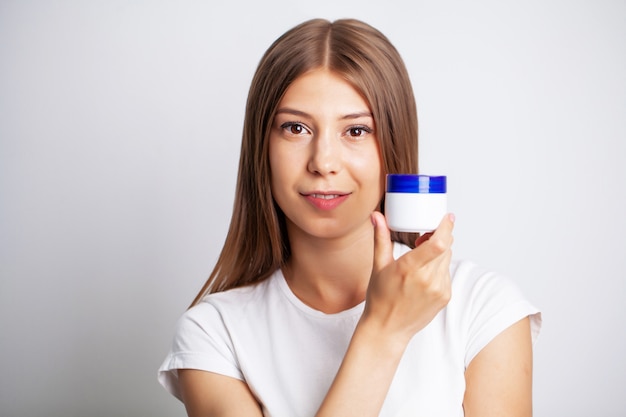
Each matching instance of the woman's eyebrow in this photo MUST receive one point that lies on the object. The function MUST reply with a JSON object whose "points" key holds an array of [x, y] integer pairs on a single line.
{"points": [[293, 111], [300, 113], [357, 115]]}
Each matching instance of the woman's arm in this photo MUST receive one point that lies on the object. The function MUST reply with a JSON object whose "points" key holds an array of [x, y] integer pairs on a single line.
{"points": [[499, 378], [206, 394], [403, 296]]}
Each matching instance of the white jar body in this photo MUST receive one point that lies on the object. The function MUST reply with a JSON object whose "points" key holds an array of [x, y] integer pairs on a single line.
{"points": [[415, 212]]}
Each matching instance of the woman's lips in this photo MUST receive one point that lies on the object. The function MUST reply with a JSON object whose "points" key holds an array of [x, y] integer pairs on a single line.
{"points": [[326, 201]]}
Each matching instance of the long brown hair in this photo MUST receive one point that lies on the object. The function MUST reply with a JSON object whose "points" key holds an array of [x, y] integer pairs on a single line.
{"points": [[257, 243]]}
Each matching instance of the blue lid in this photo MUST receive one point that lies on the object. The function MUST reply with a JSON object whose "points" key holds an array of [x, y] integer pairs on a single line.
{"points": [[413, 183]]}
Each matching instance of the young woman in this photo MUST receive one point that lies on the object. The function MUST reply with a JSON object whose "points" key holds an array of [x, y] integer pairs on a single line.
{"points": [[314, 307]]}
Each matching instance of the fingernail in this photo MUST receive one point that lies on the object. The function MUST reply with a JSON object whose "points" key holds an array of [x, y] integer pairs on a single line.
{"points": [[452, 217]]}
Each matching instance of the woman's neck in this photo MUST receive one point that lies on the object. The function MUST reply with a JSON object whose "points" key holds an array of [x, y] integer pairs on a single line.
{"points": [[330, 275]]}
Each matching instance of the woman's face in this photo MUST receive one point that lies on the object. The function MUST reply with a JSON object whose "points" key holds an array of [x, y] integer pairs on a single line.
{"points": [[325, 162]]}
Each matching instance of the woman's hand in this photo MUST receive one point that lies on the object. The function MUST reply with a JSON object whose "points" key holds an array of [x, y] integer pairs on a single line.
{"points": [[404, 295]]}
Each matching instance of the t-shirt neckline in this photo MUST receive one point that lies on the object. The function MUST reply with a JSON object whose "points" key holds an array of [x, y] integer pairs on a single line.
{"points": [[279, 279]]}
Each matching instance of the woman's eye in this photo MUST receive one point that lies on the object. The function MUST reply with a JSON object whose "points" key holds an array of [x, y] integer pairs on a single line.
{"points": [[294, 128], [359, 131]]}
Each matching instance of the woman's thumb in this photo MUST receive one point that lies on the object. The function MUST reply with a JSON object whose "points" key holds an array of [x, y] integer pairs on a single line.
{"points": [[383, 247]]}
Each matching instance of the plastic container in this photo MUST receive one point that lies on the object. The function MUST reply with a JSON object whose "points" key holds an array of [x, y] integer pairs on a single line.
{"points": [[415, 203]]}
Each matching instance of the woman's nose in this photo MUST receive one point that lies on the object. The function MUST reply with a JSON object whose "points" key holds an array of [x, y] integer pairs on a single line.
{"points": [[325, 155]]}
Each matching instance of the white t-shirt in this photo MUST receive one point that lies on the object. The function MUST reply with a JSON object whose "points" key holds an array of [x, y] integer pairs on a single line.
{"points": [[289, 353]]}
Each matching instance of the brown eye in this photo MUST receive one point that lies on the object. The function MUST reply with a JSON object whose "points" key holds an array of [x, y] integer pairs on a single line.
{"points": [[293, 128], [356, 131], [296, 129], [359, 131]]}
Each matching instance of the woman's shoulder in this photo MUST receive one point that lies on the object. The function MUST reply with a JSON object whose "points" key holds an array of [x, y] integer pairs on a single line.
{"points": [[217, 312], [239, 297], [477, 280]]}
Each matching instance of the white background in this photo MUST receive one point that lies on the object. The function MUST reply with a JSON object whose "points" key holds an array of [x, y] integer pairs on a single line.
{"points": [[120, 127]]}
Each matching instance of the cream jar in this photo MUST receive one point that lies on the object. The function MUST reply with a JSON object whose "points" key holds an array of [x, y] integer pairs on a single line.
{"points": [[415, 203]]}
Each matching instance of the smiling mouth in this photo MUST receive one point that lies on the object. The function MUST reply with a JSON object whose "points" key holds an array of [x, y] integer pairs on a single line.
{"points": [[326, 201], [325, 196]]}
